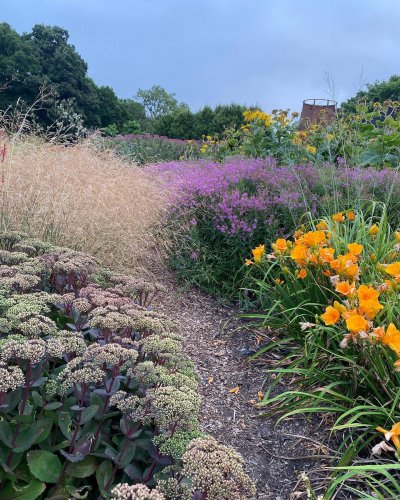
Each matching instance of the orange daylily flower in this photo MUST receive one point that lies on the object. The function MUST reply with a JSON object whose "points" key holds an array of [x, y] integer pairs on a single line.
{"points": [[321, 226], [392, 435], [397, 236], [330, 316], [352, 271], [313, 238], [327, 254], [343, 261], [258, 252], [392, 338], [393, 269], [356, 323], [338, 217], [302, 274], [248, 262], [355, 248], [349, 313], [367, 293], [299, 254], [345, 288], [370, 307], [280, 245], [350, 216]]}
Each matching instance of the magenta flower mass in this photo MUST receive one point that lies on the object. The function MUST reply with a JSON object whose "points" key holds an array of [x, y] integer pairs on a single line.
{"points": [[245, 194]]}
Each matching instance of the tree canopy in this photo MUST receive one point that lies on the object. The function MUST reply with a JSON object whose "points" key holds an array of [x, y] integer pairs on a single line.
{"points": [[45, 58], [388, 90]]}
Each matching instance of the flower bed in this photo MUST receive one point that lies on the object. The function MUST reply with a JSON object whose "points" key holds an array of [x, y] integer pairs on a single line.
{"points": [[220, 211], [334, 290], [94, 388]]}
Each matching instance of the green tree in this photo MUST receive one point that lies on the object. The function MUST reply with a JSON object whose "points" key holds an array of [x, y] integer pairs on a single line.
{"points": [[132, 110], [20, 68], [157, 101], [376, 92], [110, 109], [64, 68]]}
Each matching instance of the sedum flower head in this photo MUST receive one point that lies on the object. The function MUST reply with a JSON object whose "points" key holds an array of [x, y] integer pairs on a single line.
{"points": [[11, 377], [125, 491], [175, 407], [32, 350], [217, 470], [77, 372], [66, 342]]}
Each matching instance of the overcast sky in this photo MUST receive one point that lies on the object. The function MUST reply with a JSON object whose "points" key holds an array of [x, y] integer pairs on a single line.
{"points": [[273, 53]]}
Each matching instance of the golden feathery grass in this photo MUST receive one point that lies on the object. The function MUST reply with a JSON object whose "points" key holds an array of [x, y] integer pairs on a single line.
{"points": [[76, 197]]}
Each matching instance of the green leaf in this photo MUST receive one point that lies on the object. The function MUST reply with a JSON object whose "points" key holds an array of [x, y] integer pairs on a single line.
{"points": [[65, 422], [103, 474], [44, 465], [28, 492], [54, 405], [37, 399], [6, 433], [89, 413], [36, 433], [84, 468]]}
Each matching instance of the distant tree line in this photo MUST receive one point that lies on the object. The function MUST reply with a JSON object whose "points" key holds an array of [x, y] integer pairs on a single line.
{"points": [[44, 58], [388, 90]]}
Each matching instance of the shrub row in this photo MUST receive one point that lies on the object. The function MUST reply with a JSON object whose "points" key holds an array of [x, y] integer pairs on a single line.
{"points": [[96, 397]]}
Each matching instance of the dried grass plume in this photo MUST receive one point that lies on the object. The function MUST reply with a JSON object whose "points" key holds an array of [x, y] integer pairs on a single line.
{"points": [[77, 197]]}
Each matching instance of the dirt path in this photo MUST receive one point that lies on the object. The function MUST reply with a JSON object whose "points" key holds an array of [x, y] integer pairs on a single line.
{"points": [[275, 456]]}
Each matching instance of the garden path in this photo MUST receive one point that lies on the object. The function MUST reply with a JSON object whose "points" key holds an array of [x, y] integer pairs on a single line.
{"points": [[216, 340]]}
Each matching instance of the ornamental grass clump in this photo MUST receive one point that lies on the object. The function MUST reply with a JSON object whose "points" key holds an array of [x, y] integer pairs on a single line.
{"points": [[96, 397], [333, 290], [75, 196]]}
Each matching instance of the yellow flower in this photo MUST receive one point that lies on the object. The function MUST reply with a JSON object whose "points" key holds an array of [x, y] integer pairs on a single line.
{"points": [[339, 307], [258, 115], [330, 316], [311, 149], [373, 230], [355, 248], [397, 236], [330, 137], [302, 274], [338, 217], [258, 252], [356, 323]]}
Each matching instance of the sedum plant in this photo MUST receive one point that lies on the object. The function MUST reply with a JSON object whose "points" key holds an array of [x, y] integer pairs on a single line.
{"points": [[96, 397]]}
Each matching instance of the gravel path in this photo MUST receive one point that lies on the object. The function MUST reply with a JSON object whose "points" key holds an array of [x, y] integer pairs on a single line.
{"points": [[216, 340]]}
